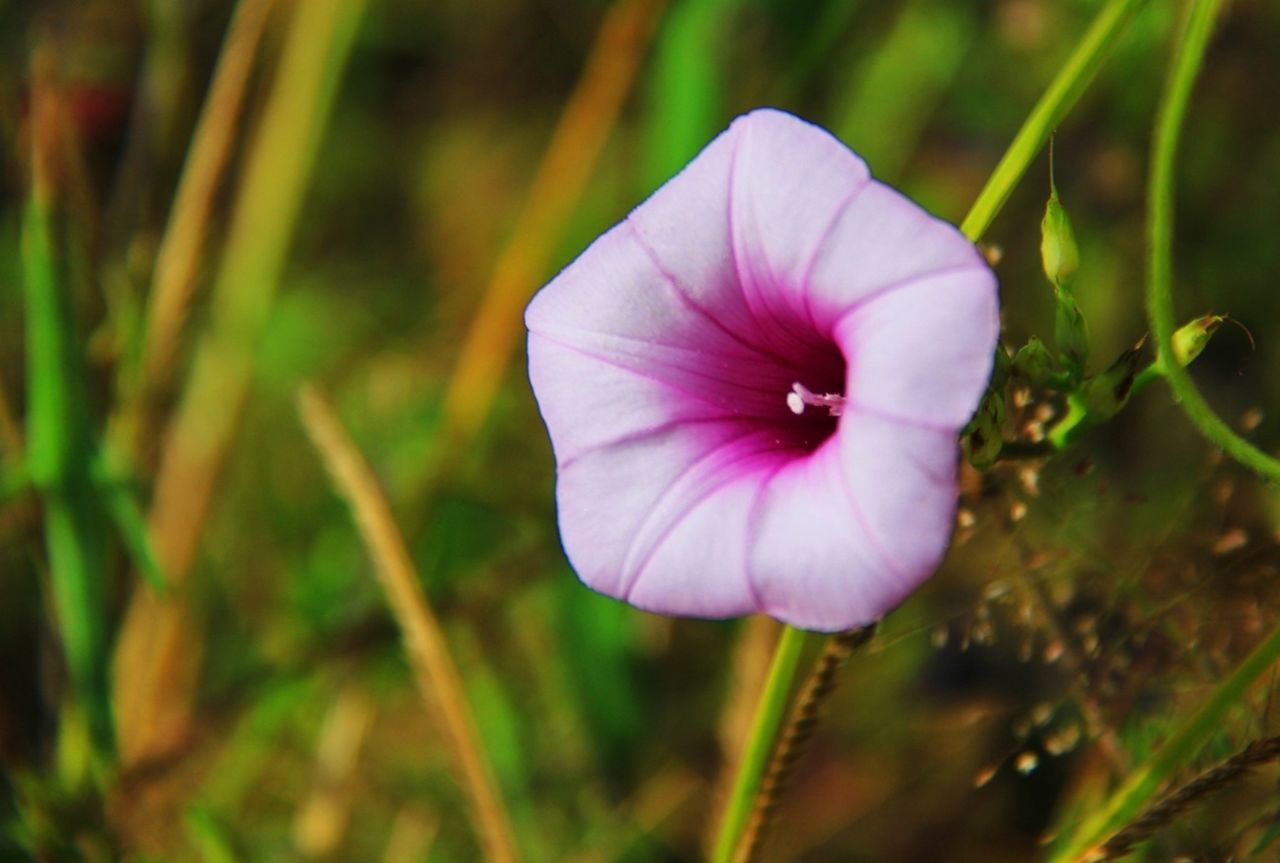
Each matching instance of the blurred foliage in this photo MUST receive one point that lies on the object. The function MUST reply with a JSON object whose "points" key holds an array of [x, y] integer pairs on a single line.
{"points": [[1090, 599]]}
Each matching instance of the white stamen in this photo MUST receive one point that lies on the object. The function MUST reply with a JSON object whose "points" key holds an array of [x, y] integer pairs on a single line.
{"points": [[801, 395]]}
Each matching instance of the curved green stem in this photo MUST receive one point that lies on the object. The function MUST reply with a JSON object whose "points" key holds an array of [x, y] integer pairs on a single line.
{"points": [[1058, 99], [764, 729], [1164, 150], [1128, 800]]}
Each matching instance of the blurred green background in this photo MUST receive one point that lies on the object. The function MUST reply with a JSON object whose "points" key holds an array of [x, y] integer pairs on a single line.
{"points": [[395, 179]]}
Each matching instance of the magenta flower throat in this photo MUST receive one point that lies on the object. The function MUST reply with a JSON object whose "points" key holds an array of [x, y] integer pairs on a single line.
{"points": [[753, 385]]}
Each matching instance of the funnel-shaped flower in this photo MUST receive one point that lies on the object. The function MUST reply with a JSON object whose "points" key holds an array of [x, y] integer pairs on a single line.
{"points": [[754, 383]]}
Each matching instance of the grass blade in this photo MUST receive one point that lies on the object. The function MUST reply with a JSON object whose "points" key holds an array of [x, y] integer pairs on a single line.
{"points": [[1062, 94], [178, 257], [60, 444], [435, 672], [567, 166], [157, 650]]}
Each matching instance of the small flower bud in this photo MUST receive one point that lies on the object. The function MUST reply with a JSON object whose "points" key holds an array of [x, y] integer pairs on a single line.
{"points": [[1058, 252], [1190, 338]]}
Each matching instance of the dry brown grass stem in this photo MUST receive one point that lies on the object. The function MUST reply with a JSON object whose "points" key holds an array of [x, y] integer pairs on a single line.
{"points": [[321, 820], [160, 643], [795, 739], [567, 166], [173, 281], [1256, 754], [411, 836], [434, 670]]}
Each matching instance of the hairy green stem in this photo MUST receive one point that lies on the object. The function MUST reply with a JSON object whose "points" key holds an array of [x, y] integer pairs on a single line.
{"points": [[755, 757], [1063, 92], [1160, 187]]}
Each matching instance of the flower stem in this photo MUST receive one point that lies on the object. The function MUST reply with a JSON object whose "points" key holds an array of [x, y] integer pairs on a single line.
{"points": [[755, 757], [795, 739], [1058, 99], [1164, 149]]}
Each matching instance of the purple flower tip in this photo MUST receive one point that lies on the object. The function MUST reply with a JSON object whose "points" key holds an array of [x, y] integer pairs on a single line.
{"points": [[754, 383]]}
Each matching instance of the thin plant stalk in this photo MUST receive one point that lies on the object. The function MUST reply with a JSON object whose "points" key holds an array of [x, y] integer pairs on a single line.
{"points": [[60, 441], [755, 757], [1160, 186], [570, 160], [173, 280], [1062, 94], [1125, 803], [1256, 754], [159, 647], [320, 823], [795, 739], [435, 672]]}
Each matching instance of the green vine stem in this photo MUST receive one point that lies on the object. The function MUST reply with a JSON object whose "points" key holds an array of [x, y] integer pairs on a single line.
{"points": [[1060, 96], [1127, 800], [1173, 109]]}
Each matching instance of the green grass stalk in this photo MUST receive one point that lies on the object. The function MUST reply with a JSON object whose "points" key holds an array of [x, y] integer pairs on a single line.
{"points": [[158, 648], [686, 86], [1185, 742], [60, 442], [1062, 94]]}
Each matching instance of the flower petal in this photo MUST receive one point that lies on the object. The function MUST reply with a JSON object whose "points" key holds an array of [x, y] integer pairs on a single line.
{"points": [[659, 521], [791, 181], [923, 353], [880, 242], [617, 288], [902, 480], [589, 404], [813, 561], [685, 228]]}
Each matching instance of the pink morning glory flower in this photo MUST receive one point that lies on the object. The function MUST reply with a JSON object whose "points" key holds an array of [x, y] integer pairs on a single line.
{"points": [[753, 385]]}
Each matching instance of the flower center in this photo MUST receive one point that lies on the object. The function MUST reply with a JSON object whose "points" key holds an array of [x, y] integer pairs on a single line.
{"points": [[801, 397]]}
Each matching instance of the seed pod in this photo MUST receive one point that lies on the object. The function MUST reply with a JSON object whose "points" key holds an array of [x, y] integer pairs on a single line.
{"points": [[1190, 338]]}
